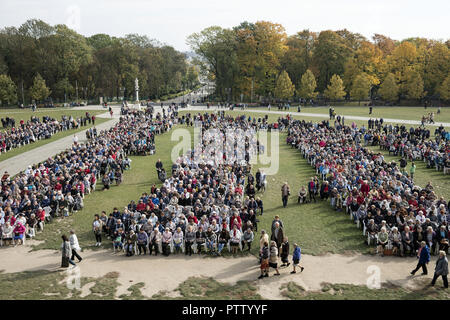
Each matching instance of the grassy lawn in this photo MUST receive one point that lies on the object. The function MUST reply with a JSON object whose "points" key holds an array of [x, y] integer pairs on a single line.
{"points": [[52, 286], [19, 114], [329, 291], [405, 113]]}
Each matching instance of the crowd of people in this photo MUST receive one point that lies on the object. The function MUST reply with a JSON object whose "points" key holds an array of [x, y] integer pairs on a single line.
{"points": [[200, 208], [208, 203], [416, 145], [380, 197], [57, 186], [35, 129]]}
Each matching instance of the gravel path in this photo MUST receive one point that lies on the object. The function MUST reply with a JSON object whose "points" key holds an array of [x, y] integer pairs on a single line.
{"points": [[169, 272]]}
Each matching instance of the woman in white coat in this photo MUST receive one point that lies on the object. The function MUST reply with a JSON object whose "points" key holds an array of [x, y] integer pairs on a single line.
{"points": [[74, 245]]}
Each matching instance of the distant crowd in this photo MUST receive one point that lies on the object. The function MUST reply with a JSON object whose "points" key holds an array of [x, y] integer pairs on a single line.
{"points": [[35, 129]]}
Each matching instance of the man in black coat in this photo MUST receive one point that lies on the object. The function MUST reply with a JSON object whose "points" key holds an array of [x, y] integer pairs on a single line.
{"points": [[277, 235]]}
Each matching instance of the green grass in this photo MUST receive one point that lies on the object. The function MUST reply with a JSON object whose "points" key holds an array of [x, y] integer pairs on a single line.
{"points": [[55, 113], [329, 291], [52, 285], [405, 113], [195, 288]]}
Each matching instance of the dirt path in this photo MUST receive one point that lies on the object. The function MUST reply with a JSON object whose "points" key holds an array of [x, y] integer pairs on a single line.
{"points": [[168, 272]]}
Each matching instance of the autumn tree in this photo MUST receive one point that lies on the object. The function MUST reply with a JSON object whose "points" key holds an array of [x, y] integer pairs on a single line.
{"points": [[360, 88], [284, 88], [401, 62], [436, 67], [444, 89], [414, 85], [335, 90], [307, 85], [389, 88]]}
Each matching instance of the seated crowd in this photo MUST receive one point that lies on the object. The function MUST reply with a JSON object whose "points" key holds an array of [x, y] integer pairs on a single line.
{"points": [[34, 129], [417, 145], [380, 197], [201, 207], [57, 186]]}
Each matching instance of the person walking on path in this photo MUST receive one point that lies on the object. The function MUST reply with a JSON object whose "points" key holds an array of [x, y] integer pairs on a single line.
{"points": [[65, 250], [264, 261], [285, 253], [74, 245], [441, 269], [296, 256], [97, 228], [285, 193], [424, 257], [273, 259], [277, 235]]}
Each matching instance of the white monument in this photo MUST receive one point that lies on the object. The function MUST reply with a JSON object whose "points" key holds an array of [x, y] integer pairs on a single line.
{"points": [[136, 87]]}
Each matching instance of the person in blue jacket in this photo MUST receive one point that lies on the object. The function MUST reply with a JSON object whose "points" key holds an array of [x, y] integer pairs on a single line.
{"points": [[424, 258], [296, 255]]}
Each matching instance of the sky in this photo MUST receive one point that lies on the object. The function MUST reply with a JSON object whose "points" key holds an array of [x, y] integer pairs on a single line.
{"points": [[171, 21]]}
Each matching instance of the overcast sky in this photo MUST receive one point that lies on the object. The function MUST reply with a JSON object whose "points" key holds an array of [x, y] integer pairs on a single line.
{"points": [[171, 21]]}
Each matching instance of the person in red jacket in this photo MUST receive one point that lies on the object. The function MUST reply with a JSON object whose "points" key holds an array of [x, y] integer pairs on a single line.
{"points": [[40, 216], [365, 188], [192, 218], [235, 220], [141, 206]]}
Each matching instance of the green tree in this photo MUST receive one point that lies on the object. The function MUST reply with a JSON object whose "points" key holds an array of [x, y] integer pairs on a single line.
{"points": [[39, 90], [307, 85], [389, 89], [8, 90], [63, 89], [335, 90], [360, 88], [330, 53], [444, 89], [284, 88]]}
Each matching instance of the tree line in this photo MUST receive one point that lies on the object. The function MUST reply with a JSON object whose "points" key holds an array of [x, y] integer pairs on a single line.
{"points": [[260, 61], [38, 61]]}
